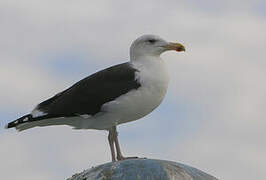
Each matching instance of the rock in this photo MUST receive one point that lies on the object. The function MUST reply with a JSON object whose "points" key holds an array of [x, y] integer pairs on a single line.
{"points": [[142, 169]]}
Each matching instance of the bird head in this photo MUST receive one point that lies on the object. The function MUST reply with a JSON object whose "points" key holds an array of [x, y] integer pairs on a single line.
{"points": [[152, 45]]}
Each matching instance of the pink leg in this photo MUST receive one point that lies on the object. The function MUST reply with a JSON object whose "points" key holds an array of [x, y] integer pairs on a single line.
{"points": [[118, 149], [111, 143]]}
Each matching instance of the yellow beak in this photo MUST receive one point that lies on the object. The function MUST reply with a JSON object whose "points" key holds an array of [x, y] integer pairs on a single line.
{"points": [[175, 46]]}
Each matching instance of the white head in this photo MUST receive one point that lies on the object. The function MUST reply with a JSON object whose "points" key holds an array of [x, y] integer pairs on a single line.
{"points": [[152, 45]]}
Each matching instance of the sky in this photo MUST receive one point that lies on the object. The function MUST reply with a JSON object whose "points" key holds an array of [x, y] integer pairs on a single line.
{"points": [[213, 117]]}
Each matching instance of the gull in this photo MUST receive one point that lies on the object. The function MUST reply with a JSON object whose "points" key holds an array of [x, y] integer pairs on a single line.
{"points": [[119, 94]]}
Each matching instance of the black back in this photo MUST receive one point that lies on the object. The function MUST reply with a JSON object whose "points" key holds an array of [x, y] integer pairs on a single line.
{"points": [[88, 95]]}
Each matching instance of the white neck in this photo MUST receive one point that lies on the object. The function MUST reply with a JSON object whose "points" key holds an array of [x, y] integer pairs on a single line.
{"points": [[152, 66], [142, 58], [152, 75]]}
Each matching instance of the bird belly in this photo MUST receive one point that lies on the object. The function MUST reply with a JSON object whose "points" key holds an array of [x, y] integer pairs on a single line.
{"points": [[132, 106], [140, 103]]}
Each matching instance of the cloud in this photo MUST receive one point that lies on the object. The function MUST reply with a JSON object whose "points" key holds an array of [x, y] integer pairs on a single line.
{"points": [[225, 82], [50, 153]]}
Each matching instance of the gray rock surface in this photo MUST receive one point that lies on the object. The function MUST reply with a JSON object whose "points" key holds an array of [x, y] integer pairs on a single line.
{"points": [[142, 169]]}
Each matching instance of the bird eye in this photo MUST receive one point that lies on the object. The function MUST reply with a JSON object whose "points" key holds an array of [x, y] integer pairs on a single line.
{"points": [[152, 41]]}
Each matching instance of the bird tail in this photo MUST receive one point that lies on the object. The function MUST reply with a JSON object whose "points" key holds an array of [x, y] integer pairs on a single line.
{"points": [[27, 122], [20, 121]]}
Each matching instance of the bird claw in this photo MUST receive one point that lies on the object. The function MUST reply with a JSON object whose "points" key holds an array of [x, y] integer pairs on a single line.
{"points": [[121, 158]]}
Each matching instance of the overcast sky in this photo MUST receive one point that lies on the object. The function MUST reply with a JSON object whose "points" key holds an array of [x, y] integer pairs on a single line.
{"points": [[213, 117]]}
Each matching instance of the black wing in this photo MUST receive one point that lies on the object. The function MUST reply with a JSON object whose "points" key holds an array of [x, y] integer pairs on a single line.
{"points": [[88, 95]]}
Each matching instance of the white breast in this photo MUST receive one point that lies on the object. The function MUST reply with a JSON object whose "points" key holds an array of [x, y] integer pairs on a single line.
{"points": [[154, 79]]}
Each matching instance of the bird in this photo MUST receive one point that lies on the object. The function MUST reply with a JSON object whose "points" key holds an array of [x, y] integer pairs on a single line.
{"points": [[119, 94]]}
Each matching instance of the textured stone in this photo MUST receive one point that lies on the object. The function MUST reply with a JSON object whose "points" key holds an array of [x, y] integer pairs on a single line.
{"points": [[142, 169]]}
